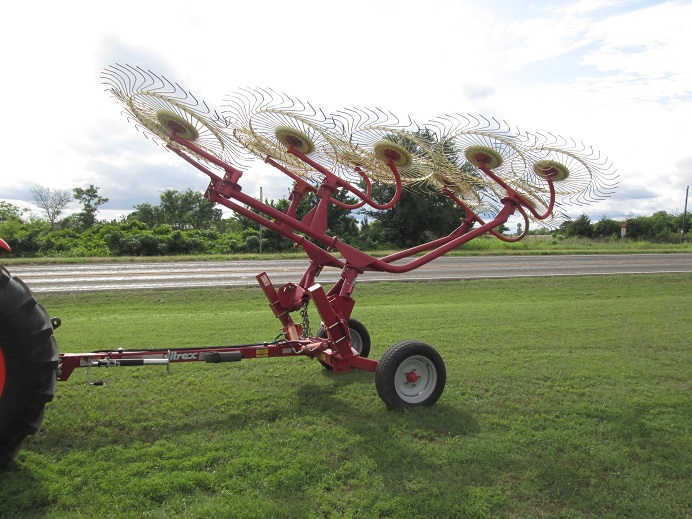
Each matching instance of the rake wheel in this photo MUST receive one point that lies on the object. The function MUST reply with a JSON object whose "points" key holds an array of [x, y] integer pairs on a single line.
{"points": [[268, 123], [160, 108]]}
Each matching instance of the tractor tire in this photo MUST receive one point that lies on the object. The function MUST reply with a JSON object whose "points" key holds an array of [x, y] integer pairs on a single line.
{"points": [[28, 363]]}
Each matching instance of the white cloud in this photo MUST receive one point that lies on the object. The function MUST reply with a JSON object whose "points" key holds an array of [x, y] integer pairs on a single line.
{"points": [[652, 42]]}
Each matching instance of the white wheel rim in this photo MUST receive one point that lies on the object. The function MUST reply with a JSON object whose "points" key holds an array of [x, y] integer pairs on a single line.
{"points": [[415, 379], [356, 341]]}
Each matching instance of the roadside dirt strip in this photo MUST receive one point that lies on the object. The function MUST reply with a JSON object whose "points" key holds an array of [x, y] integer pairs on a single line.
{"points": [[190, 274]]}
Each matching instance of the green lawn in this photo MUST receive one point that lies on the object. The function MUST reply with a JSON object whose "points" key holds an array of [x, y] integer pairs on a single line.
{"points": [[566, 397]]}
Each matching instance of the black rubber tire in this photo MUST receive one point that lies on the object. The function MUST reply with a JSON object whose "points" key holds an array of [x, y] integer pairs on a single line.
{"points": [[392, 378], [361, 344], [28, 363]]}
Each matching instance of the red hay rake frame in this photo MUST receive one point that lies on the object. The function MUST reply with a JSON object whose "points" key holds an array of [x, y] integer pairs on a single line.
{"points": [[409, 364], [336, 305]]}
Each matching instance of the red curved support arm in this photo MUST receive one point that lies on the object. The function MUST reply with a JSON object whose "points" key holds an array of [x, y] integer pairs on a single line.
{"points": [[364, 197], [511, 193], [351, 207], [310, 187], [397, 191], [551, 204], [510, 239]]}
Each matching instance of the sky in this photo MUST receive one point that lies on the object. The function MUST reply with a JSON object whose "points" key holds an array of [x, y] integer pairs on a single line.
{"points": [[613, 74]]}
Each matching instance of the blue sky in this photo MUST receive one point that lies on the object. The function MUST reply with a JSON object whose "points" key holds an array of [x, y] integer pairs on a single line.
{"points": [[615, 75]]}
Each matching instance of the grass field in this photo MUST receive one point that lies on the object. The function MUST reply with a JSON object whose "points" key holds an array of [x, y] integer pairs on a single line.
{"points": [[565, 398]]}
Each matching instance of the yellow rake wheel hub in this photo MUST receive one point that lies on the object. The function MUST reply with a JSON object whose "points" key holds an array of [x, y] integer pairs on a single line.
{"points": [[399, 155], [174, 123], [295, 139], [550, 169], [483, 155]]}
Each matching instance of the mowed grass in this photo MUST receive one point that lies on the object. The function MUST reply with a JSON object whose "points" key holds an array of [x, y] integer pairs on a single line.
{"points": [[566, 397]]}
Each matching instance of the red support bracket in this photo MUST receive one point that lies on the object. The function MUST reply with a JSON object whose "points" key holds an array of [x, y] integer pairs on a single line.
{"points": [[335, 326], [291, 331]]}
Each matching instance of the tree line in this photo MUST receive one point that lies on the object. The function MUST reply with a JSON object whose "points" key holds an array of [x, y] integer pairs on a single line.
{"points": [[660, 227], [186, 223]]}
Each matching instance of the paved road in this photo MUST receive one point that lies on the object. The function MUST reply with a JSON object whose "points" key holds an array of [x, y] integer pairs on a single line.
{"points": [[188, 274]]}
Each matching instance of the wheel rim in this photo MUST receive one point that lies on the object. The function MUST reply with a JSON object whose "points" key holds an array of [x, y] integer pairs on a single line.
{"points": [[2, 372], [356, 341], [415, 379]]}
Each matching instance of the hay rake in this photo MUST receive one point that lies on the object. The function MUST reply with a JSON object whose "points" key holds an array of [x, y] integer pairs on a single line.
{"points": [[482, 165], [485, 167]]}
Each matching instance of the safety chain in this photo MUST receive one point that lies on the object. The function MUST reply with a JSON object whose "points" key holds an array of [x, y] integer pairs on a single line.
{"points": [[306, 319]]}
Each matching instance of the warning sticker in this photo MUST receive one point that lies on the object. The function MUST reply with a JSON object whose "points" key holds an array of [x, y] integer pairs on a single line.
{"points": [[262, 352]]}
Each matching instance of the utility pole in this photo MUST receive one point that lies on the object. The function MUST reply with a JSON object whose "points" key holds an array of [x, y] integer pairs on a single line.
{"points": [[684, 215]]}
